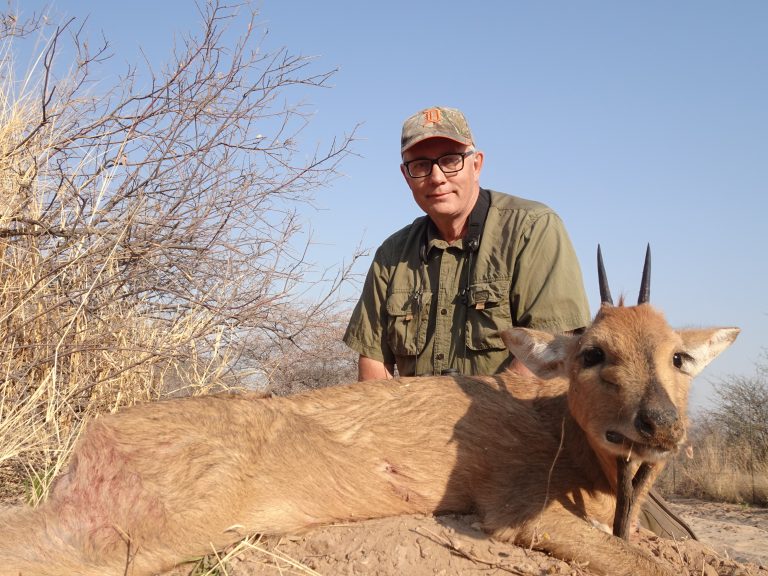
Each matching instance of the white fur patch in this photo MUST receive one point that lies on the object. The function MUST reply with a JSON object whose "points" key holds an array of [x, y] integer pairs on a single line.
{"points": [[708, 350], [543, 351]]}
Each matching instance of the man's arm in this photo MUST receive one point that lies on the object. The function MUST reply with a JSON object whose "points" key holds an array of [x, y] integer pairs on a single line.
{"points": [[366, 331], [370, 369]]}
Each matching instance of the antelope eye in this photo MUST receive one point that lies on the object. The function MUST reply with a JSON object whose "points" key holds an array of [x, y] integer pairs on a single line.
{"points": [[592, 357], [679, 358]]}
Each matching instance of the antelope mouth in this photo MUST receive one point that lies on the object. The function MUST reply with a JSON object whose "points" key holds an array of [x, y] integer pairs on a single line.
{"points": [[614, 437], [630, 448]]}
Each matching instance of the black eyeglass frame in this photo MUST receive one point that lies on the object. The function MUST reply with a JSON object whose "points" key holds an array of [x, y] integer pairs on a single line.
{"points": [[434, 161]]}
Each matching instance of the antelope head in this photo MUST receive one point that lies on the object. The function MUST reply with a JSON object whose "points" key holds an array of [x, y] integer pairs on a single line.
{"points": [[629, 374]]}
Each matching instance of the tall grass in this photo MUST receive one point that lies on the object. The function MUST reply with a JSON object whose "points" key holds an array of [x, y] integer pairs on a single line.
{"points": [[718, 469]]}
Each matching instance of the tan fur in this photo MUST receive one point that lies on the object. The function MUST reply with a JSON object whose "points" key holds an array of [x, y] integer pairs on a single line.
{"points": [[161, 483]]}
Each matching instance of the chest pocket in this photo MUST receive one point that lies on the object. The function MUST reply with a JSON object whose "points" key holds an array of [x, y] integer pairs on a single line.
{"points": [[407, 323], [488, 312]]}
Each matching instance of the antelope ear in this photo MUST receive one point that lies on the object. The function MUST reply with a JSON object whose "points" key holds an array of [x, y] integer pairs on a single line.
{"points": [[542, 353], [704, 345]]}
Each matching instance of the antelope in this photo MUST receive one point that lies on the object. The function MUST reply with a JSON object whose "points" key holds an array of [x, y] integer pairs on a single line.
{"points": [[542, 463]]}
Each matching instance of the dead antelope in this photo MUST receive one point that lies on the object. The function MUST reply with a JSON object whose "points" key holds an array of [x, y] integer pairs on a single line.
{"points": [[160, 484]]}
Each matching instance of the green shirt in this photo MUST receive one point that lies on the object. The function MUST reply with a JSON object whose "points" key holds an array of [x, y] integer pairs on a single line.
{"points": [[428, 305]]}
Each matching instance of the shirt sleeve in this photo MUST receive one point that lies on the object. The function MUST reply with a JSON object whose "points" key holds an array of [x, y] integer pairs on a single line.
{"points": [[548, 288], [366, 331]]}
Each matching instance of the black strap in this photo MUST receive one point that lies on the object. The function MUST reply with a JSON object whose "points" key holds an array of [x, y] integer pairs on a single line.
{"points": [[477, 221], [472, 240]]}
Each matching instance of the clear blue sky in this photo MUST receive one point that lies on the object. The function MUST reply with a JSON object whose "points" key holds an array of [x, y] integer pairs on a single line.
{"points": [[637, 121]]}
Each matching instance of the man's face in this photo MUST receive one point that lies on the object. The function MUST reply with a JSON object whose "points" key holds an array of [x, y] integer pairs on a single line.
{"points": [[444, 197]]}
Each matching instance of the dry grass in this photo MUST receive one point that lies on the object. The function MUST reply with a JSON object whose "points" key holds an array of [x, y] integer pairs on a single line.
{"points": [[146, 241], [264, 553], [719, 470], [69, 349]]}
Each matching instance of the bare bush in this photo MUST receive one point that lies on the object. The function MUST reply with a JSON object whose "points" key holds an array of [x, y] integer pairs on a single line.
{"points": [[741, 410], [316, 359], [150, 232]]}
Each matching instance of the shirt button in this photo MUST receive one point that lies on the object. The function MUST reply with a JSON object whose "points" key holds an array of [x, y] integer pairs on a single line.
{"points": [[440, 356], [443, 311]]}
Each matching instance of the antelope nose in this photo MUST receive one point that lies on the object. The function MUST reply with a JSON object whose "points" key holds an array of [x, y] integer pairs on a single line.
{"points": [[648, 422]]}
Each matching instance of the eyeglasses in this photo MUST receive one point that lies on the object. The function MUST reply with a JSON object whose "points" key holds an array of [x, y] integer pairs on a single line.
{"points": [[448, 163]]}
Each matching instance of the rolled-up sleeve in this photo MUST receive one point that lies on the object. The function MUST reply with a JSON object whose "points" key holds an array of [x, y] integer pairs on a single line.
{"points": [[366, 331]]}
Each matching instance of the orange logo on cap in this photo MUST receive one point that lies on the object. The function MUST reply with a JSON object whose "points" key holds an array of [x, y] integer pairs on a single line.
{"points": [[431, 116]]}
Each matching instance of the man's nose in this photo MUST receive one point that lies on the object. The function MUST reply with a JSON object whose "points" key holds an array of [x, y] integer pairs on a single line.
{"points": [[437, 176]]}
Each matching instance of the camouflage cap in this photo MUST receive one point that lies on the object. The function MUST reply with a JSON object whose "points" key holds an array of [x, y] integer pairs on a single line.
{"points": [[437, 122]]}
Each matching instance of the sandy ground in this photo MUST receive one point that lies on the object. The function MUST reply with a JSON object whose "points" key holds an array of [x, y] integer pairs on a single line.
{"points": [[734, 531], [733, 541]]}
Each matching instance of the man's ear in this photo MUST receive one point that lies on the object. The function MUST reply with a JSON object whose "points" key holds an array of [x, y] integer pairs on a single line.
{"points": [[704, 345], [542, 353], [477, 163]]}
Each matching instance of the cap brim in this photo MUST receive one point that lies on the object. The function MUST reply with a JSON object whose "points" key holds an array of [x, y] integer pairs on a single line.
{"points": [[421, 137]]}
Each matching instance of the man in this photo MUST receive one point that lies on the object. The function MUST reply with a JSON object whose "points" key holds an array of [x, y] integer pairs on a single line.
{"points": [[479, 261], [440, 289]]}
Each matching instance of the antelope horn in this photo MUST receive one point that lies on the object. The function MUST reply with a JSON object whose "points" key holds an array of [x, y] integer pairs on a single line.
{"points": [[645, 284], [605, 292]]}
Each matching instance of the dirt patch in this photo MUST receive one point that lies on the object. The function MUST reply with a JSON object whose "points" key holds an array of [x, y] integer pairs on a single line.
{"points": [[732, 530], [733, 542]]}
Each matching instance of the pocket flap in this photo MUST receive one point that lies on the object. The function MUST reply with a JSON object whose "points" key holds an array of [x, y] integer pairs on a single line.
{"points": [[403, 303], [407, 326], [488, 312]]}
